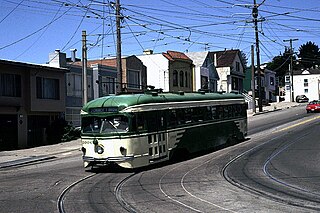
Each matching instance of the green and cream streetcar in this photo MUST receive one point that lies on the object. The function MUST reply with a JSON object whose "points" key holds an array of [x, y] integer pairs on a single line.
{"points": [[142, 129]]}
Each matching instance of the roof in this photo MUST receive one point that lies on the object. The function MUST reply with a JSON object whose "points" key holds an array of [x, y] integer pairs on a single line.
{"points": [[30, 65], [225, 58], [111, 62], [307, 72], [198, 58], [174, 55], [124, 101]]}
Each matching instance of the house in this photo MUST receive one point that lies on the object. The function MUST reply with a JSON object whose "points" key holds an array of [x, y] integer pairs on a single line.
{"points": [[205, 74], [170, 71], [32, 98], [270, 86], [101, 81], [134, 73], [305, 82], [230, 68]]}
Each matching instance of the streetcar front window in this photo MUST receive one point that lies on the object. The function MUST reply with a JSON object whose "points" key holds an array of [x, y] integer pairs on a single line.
{"points": [[110, 124]]}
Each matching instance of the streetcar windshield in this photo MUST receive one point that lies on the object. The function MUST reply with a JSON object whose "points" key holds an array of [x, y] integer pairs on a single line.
{"points": [[111, 124]]}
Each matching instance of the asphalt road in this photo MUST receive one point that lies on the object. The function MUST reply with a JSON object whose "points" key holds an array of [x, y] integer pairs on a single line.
{"points": [[275, 170]]}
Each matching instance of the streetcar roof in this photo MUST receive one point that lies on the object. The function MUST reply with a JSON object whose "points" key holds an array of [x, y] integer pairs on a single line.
{"points": [[129, 100]]}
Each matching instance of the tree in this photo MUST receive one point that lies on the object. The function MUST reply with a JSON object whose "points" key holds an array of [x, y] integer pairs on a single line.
{"points": [[309, 54], [244, 58], [280, 64]]}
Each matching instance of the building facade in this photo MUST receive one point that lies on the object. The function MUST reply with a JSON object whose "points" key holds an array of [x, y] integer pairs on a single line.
{"points": [[205, 74], [170, 71], [305, 82], [32, 98], [230, 68], [134, 73], [270, 85]]}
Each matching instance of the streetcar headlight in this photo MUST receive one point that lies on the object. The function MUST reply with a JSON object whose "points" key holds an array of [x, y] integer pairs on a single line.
{"points": [[99, 150], [123, 150], [83, 150]]}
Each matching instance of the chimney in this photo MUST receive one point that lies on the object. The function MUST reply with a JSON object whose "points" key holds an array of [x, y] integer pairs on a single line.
{"points": [[57, 59], [73, 54], [215, 59], [148, 52]]}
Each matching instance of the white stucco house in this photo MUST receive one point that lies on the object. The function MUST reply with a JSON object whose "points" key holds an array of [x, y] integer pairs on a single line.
{"points": [[170, 71], [205, 74], [230, 68], [305, 82]]}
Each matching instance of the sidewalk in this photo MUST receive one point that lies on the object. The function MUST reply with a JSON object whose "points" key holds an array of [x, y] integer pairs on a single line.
{"points": [[41, 153], [273, 107], [36, 154]]}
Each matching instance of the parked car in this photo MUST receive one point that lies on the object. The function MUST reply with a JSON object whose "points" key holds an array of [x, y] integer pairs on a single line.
{"points": [[313, 106], [302, 98]]}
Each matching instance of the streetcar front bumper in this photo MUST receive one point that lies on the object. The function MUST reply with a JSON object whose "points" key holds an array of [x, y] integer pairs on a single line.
{"points": [[105, 161]]}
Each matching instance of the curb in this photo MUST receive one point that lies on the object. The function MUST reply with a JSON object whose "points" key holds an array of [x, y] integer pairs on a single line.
{"points": [[25, 161], [266, 111]]}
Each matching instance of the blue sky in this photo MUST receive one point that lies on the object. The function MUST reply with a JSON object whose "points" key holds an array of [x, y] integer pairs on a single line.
{"points": [[30, 29]]}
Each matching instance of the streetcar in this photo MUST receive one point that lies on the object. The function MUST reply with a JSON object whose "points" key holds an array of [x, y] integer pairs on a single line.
{"points": [[137, 130]]}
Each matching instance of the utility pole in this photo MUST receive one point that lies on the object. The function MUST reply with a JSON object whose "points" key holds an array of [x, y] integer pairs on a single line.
{"points": [[291, 66], [253, 85], [255, 20], [119, 62], [84, 68]]}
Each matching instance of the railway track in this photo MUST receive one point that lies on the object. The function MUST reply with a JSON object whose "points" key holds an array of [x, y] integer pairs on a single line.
{"points": [[289, 198], [117, 190]]}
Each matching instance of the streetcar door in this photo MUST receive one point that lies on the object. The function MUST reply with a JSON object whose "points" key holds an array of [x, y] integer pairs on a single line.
{"points": [[158, 149]]}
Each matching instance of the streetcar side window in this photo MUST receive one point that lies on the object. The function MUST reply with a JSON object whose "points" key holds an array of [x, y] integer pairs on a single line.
{"points": [[140, 122], [172, 118], [214, 112], [159, 120], [150, 121]]}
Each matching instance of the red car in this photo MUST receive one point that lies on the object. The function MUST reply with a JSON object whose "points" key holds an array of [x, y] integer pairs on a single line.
{"points": [[313, 106]]}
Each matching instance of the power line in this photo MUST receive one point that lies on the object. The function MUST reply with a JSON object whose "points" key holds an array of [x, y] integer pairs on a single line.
{"points": [[11, 11]]}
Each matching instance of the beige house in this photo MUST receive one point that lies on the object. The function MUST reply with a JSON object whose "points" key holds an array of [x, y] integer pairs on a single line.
{"points": [[231, 70], [170, 71], [32, 97]]}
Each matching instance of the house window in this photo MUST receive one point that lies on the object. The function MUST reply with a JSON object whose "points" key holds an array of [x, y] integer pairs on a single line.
{"points": [[204, 82], [181, 79], [238, 66], [306, 91], [186, 79], [305, 83], [10, 85], [271, 80], [287, 79], [133, 79], [108, 85], [175, 78], [235, 84], [47, 88], [72, 115]]}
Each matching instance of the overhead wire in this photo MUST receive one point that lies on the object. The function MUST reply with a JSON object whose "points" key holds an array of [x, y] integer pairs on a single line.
{"points": [[33, 33], [6, 16], [28, 48]]}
